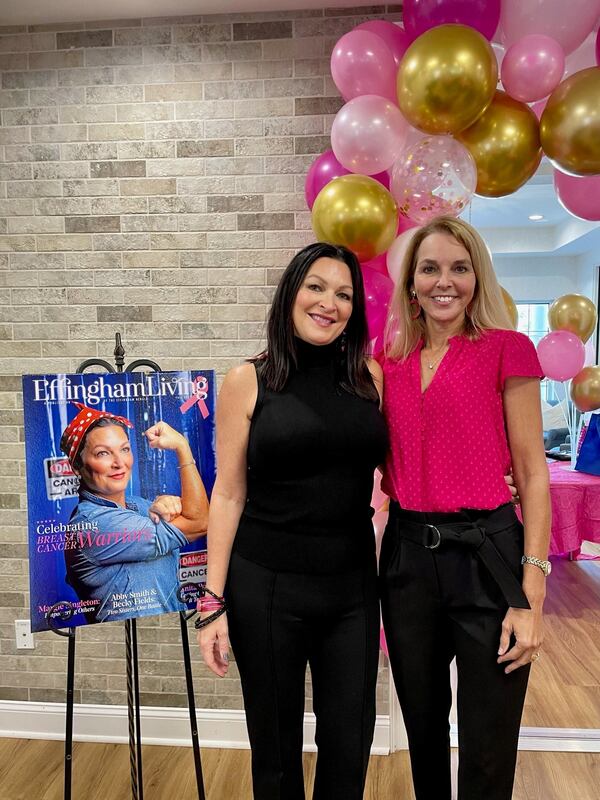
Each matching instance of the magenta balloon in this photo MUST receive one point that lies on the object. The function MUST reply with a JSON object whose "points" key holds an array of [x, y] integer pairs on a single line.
{"points": [[405, 224], [368, 134], [532, 68], [580, 196], [377, 264], [362, 63], [393, 35], [421, 15], [561, 355], [323, 169], [598, 47], [378, 292], [383, 178], [568, 23]]}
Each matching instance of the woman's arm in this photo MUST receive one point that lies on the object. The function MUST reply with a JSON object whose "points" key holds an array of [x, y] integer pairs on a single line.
{"points": [[522, 411], [193, 518], [235, 407], [377, 375]]}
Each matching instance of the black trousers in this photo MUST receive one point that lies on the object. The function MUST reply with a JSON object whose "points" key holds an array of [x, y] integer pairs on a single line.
{"points": [[438, 604], [279, 622]]}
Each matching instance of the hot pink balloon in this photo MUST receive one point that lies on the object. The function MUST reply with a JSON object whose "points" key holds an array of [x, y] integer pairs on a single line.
{"points": [[421, 15], [598, 47], [405, 224], [397, 251], [561, 355], [393, 35], [532, 68], [368, 134], [378, 264], [362, 63], [580, 196], [323, 169], [378, 292], [568, 24]]}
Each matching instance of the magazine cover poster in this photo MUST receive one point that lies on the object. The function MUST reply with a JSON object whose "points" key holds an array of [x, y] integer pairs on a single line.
{"points": [[117, 467]]}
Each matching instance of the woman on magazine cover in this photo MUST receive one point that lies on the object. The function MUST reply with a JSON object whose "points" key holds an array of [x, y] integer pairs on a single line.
{"points": [[125, 553]]}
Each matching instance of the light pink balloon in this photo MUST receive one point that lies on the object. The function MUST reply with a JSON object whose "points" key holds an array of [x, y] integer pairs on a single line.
{"points": [[579, 195], [561, 355], [590, 354], [397, 251], [532, 68], [583, 57], [538, 108], [392, 34], [567, 23], [378, 292], [362, 63], [368, 134]]}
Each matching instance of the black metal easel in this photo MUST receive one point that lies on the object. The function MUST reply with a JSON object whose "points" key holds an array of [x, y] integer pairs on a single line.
{"points": [[64, 610]]}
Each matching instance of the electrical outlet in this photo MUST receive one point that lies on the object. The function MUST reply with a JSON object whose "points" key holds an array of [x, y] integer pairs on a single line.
{"points": [[23, 634]]}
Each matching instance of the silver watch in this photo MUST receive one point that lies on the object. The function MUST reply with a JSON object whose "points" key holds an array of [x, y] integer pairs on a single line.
{"points": [[545, 566]]}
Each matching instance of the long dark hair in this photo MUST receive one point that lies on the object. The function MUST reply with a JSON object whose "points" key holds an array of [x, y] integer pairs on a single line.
{"points": [[276, 361]]}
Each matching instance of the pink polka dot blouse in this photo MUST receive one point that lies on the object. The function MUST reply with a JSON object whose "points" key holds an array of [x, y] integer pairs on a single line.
{"points": [[448, 445]]}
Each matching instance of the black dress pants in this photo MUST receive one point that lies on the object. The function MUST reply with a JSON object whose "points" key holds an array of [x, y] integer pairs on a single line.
{"points": [[438, 604], [279, 622]]}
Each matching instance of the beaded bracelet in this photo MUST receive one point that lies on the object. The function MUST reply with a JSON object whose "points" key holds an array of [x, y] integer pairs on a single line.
{"points": [[202, 623]]}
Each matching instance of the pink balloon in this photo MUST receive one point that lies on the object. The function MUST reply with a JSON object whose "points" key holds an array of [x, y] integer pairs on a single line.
{"points": [[368, 134], [568, 24], [421, 15], [532, 68], [383, 178], [499, 52], [578, 195], [583, 57], [561, 354], [590, 353], [323, 169], [397, 251], [598, 47], [362, 63], [405, 224], [393, 35], [378, 292], [538, 108], [379, 264], [383, 643]]}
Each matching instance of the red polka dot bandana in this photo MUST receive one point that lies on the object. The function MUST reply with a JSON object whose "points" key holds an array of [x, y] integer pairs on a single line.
{"points": [[76, 430]]}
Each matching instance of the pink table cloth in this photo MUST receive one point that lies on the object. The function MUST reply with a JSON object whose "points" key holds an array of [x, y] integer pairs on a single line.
{"points": [[575, 507]]}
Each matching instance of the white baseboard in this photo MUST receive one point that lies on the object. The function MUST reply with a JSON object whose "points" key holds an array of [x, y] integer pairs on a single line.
{"points": [[165, 726], [559, 740]]}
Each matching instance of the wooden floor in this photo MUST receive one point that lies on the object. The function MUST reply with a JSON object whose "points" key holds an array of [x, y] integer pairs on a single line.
{"points": [[31, 769]]}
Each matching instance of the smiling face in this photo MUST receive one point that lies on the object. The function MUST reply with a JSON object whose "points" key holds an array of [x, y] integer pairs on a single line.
{"points": [[323, 304], [106, 461], [444, 280]]}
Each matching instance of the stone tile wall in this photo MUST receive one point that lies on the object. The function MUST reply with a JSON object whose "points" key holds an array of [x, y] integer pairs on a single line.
{"points": [[151, 183]]}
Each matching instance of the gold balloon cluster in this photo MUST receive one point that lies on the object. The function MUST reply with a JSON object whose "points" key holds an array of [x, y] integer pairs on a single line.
{"points": [[570, 124], [577, 313], [357, 212]]}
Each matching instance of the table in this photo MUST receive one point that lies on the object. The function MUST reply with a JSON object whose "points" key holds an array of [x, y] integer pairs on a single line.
{"points": [[575, 508]]}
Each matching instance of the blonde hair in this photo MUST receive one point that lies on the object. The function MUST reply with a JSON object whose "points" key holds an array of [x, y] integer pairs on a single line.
{"points": [[486, 311]]}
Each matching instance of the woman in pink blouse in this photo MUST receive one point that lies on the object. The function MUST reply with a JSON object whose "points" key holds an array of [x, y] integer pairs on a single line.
{"points": [[460, 576]]}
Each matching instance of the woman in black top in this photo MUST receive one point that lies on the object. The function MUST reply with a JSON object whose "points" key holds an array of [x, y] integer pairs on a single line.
{"points": [[299, 434]]}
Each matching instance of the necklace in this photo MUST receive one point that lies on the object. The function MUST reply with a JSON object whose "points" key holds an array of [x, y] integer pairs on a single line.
{"points": [[431, 364]]}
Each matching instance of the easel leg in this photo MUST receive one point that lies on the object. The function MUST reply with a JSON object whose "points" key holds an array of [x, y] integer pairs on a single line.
{"points": [[69, 719], [191, 705], [133, 711]]}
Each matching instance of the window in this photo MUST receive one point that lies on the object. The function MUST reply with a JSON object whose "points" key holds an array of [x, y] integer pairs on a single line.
{"points": [[533, 322]]}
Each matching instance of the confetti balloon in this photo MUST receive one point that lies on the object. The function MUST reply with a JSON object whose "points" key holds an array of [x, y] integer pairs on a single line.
{"points": [[437, 175]]}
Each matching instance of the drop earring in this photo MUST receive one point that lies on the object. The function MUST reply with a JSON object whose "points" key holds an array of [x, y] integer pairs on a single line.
{"points": [[415, 306]]}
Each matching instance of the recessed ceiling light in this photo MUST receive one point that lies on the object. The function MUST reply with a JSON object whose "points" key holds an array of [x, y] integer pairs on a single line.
{"points": [[536, 217]]}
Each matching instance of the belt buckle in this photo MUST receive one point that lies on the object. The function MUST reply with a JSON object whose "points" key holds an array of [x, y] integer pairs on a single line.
{"points": [[439, 537]]}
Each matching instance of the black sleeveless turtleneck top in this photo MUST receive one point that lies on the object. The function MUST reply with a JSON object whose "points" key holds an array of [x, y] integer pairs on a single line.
{"points": [[312, 451]]}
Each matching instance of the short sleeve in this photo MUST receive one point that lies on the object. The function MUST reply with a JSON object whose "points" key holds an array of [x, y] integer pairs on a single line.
{"points": [[518, 357]]}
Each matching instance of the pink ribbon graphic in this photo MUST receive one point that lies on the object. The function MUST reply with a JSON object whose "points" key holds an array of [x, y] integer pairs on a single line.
{"points": [[198, 397]]}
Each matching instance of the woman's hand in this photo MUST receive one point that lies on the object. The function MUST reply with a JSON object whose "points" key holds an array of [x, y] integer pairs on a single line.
{"points": [[214, 644], [165, 507], [527, 627], [164, 437], [514, 492]]}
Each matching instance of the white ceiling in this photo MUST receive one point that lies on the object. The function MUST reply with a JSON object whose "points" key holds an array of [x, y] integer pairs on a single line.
{"points": [[504, 220]]}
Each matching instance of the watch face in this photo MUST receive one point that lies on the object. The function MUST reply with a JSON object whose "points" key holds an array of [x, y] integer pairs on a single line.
{"points": [[548, 568]]}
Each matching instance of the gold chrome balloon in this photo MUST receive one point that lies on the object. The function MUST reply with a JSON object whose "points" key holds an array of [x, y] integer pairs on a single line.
{"points": [[510, 307], [358, 212], [575, 313], [505, 144], [446, 79], [585, 389], [570, 124]]}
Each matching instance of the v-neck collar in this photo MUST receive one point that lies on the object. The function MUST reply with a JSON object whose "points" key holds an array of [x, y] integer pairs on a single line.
{"points": [[453, 341]]}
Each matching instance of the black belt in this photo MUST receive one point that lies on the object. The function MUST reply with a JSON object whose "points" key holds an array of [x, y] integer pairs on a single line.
{"points": [[474, 533]]}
